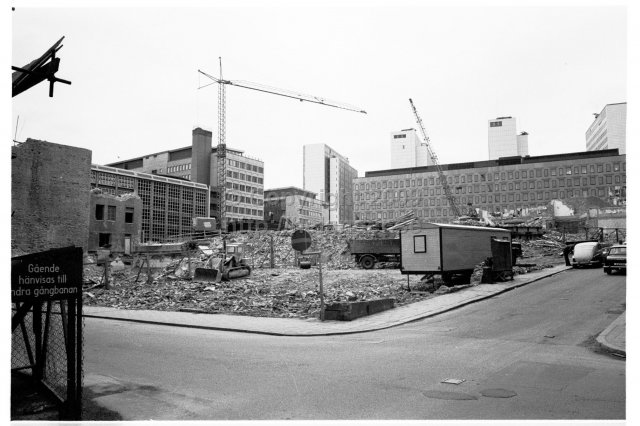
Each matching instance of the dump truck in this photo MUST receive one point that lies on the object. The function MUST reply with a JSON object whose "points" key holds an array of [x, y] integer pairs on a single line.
{"points": [[368, 252], [451, 251]]}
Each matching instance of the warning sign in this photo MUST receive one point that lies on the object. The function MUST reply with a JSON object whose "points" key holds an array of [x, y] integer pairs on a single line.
{"points": [[48, 275]]}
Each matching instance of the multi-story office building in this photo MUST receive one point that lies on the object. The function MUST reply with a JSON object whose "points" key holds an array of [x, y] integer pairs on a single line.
{"points": [[609, 129], [328, 174], [505, 185], [199, 163], [504, 140], [297, 205], [168, 205], [407, 150]]}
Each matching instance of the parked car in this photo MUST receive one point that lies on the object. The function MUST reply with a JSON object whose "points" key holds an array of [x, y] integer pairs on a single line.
{"points": [[616, 259], [587, 254]]}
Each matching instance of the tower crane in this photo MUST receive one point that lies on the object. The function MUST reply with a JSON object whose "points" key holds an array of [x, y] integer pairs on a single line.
{"points": [[222, 145], [434, 157]]}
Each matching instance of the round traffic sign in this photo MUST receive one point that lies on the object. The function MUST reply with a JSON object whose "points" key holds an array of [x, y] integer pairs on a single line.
{"points": [[300, 240]]}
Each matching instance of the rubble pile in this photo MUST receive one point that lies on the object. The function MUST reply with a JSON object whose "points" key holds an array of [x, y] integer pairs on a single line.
{"points": [[284, 291]]}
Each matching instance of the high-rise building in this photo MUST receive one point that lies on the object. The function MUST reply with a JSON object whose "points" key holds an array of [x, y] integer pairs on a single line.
{"points": [[504, 141], [407, 150], [328, 174], [608, 129], [199, 163]]}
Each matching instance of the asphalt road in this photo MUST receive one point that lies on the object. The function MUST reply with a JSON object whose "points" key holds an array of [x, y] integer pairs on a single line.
{"points": [[527, 354]]}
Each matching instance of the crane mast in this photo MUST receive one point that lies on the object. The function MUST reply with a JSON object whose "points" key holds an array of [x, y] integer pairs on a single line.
{"points": [[434, 157], [221, 153], [222, 144]]}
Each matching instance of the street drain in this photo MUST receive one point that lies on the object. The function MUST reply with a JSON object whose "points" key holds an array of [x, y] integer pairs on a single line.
{"points": [[497, 393], [455, 396]]}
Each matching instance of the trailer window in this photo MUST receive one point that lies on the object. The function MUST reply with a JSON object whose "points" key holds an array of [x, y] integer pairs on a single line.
{"points": [[420, 244]]}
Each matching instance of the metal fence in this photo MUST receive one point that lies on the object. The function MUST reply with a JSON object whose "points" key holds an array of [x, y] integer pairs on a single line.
{"points": [[46, 345]]}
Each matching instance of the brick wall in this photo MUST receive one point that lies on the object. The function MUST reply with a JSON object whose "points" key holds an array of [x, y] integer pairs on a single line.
{"points": [[117, 227], [49, 196]]}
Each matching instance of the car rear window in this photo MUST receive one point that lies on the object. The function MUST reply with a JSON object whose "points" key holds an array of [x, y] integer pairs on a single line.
{"points": [[618, 250]]}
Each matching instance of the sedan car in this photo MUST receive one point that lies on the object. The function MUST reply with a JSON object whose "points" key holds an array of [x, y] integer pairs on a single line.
{"points": [[616, 259], [587, 254]]}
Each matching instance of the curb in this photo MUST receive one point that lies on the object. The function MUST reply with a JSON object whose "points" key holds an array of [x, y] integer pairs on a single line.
{"points": [[602, 337], [334, 333]]}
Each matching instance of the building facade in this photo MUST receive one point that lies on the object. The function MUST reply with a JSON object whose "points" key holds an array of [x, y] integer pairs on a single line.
{"points": [[609, 129], [168, 204], [329, 174], [199, 163], [510, 185], [115, 222], [407, 150], [504, 141], [297, 205]]}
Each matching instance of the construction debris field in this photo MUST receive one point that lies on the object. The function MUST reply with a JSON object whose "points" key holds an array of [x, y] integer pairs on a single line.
{"points": [[284, 291]]}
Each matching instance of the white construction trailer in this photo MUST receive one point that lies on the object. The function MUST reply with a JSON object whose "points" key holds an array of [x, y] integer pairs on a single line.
{"points": [[446, 250]]}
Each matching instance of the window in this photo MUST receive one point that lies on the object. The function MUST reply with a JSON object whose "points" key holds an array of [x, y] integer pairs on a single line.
{"points": [[104, 240], [399, 136], [583, 170], [495, 124], [128, 215], [111, 213], [99, 211], [616, 167], [419, 243]]}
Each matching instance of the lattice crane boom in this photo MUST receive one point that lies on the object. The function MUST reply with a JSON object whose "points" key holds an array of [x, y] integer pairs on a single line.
{"points": [[222, 145], [434, 157]]}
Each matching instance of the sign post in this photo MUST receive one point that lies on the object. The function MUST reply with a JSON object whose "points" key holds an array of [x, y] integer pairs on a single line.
{"points": [[301, 241], [46, 277]]}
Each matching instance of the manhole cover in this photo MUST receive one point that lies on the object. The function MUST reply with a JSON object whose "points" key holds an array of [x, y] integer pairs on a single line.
{"points": [[497, 393], [456, 396]]}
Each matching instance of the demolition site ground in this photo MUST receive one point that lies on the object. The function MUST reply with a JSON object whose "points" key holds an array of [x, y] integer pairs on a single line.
{"points": [[284, 291]]}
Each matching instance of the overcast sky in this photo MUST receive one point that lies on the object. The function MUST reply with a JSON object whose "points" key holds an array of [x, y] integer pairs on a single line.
{"points": [[135, 80]]}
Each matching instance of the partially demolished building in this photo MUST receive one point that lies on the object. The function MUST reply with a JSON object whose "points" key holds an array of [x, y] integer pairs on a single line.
{"points": [[168, 205]]}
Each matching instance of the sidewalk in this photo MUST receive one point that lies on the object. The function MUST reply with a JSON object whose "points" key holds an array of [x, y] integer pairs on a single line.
{"points": [[612, 337]]}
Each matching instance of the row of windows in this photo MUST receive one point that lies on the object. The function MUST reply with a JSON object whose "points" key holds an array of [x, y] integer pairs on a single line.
{"points": [[112, 213], [245, 188], [178, 168], [479, 200], [243, 199], [242, 176], [245, 166], [510, 175], [243, 210], [310, 213], [498, 187]]}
